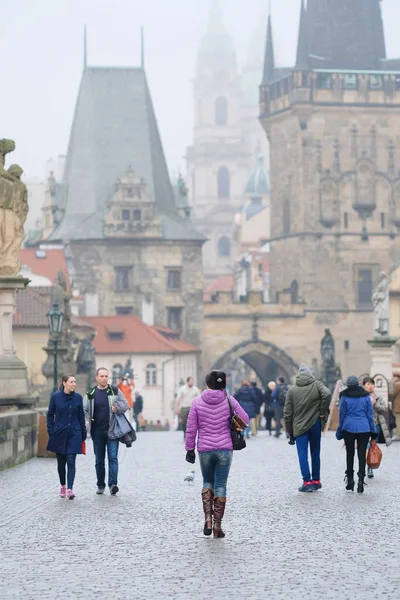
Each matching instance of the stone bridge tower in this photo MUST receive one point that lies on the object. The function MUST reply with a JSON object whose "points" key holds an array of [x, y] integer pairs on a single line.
{"points": [[334, 128]]}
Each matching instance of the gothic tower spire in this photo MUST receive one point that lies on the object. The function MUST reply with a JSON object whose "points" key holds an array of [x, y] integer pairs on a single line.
{"points": [[269, 60], [302, 44]]}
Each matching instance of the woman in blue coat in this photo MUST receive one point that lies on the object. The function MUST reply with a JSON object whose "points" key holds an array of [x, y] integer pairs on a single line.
{"points": [[67, 430], [356, 424], [247, 399]]}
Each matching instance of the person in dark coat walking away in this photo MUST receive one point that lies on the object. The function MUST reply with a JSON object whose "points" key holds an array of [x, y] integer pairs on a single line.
{"points": [[306, 409], [356, 424], [138, 409], [210, 420], [269, 411], [279, 398], [259, 396], [100, 404], [67, 430], [247, 400]]}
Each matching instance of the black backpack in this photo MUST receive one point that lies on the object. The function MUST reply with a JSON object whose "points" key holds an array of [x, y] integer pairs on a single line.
{"points": [[283, 390]]}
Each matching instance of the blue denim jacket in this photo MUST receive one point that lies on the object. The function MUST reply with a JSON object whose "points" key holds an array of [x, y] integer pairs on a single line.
{"points": [[356, 414]]}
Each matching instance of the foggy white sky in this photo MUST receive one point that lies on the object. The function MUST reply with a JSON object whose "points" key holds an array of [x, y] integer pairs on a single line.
{"points": [[41, 60]]}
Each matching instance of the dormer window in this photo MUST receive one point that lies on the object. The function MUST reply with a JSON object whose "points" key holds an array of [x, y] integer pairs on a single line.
{"points": [[115, 336]]}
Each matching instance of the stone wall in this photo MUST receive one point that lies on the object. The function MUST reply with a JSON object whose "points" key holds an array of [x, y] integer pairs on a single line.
{"points": [[18, 436]]}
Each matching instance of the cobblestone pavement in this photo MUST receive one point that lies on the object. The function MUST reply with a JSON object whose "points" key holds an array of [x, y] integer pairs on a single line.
{"points": [[146, 543]]}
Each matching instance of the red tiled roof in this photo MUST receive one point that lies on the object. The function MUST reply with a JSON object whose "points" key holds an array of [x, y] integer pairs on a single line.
{"points": [[52, 261], [31, 309], [138, 338], [33, 304]]}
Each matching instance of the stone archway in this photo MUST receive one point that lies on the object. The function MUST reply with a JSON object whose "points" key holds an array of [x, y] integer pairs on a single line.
{"points": [[266, 359]]}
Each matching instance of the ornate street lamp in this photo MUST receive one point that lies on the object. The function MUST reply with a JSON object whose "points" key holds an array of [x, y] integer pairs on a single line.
{"points": [[55, 319]]}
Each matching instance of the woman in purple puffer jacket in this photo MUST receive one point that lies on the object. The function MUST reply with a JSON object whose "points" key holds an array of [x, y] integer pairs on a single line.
{"points": [[209, 418]]}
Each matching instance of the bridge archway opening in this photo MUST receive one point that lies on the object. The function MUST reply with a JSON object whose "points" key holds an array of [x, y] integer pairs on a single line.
{"points": [[265, 359]]}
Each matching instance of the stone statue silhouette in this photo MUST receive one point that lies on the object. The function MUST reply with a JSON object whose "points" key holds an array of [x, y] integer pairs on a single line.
{"points": [[328, 349], [380, 301], [13, 212], [85, 361]]}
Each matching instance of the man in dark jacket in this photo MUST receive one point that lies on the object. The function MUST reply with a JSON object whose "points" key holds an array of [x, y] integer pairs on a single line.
{"points": [[306, 408], [279, 398], [100, 404], [259, 397], [137, 409]]}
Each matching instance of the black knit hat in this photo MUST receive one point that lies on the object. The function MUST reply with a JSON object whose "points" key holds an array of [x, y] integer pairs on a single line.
{"points": [[216, 380], [352, 381]]}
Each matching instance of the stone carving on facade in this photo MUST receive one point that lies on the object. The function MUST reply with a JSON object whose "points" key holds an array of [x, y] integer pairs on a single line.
{"points": [[380, 301], [130, 210], [13, 212], [330, 370], [329, 202]]}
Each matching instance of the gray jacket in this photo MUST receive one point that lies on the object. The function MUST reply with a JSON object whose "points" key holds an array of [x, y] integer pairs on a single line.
{"points": [[115, 398]]}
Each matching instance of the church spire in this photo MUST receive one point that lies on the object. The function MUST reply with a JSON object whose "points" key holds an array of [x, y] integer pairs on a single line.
{"points": [[269, 60], [302, 44]]}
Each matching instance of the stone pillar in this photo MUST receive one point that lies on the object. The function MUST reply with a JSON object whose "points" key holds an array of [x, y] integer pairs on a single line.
{"points": [[13, 372], [381, 349]]}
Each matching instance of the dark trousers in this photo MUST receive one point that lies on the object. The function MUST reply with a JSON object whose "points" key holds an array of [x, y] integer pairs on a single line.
{"points": [[66, 462], [100, 443], [311, 438], [268, 419], [350, 440], [184, 418], [278, 419]]}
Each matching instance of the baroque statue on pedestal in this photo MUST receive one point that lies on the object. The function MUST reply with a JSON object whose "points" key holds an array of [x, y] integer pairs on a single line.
{"points": [[380, 301], [13, 212]]}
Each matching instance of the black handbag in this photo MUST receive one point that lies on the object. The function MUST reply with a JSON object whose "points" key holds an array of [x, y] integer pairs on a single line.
{"points": [[238, 441]]}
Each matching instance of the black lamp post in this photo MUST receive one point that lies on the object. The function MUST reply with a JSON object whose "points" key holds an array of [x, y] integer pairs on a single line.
{"points": [[55, 319]]}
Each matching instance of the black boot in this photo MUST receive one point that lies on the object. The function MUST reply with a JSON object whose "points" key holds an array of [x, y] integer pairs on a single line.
{"points": [[361, 483], [349, 479]]}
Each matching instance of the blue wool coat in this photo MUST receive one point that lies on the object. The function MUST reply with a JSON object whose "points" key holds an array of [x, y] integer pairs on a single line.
{"points": [[247, 400], [66, 423]]}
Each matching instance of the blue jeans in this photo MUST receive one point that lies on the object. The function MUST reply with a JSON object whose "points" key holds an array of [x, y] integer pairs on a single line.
{"points": [[311, 437], [215, 467], [100, 443]]}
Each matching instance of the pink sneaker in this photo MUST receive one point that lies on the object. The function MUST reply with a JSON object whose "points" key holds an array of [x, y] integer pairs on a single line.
{"points": [[63, 491], [70, 495]]}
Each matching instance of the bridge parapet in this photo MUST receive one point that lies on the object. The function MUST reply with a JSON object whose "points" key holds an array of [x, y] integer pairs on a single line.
{"points": [[225, 303]]}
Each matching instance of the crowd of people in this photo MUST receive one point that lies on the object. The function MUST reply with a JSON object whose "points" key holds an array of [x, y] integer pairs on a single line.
{"points": [[209, 418]]}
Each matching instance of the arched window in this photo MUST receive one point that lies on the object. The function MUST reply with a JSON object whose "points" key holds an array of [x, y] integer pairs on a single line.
{"points": [[224, 247], [151, 374], [221, 111], [224, 183]]}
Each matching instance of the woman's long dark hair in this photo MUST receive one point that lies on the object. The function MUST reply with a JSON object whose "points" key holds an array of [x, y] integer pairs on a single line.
{"points": [[64, 379]]}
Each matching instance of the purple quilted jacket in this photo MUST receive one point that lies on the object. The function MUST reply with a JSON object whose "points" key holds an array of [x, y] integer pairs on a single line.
{"points": [[209, 418]]}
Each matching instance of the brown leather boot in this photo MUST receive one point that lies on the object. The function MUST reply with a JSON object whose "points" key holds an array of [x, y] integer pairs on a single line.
{"points": [[219, 509], [208, 498]]}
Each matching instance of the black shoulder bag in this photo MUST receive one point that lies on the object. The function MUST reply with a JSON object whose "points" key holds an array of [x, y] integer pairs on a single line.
{"points": [[237, 425]]}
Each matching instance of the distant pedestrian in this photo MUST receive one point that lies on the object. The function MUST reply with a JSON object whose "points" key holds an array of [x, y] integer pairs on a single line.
{"points": [[247, 399], [209, 420], [187, 393], [259, 396], [356, 424], [100, 404], [279, 398], [306, 409], [67, 430], [127, 389], [269, 411], [381, 411], [138, 410]]}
